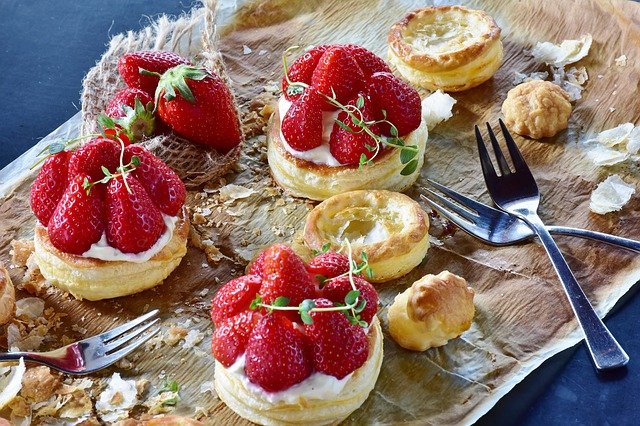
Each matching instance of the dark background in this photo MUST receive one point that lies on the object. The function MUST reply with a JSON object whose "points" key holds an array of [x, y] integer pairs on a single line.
{"points": [[46, 47]]}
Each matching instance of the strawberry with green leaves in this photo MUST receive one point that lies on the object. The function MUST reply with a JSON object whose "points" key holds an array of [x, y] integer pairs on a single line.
{"points": [[130, 111], [131, 64]]}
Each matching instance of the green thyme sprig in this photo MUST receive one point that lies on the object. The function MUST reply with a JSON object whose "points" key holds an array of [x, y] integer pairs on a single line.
{"points": [[59, 146], [123, 170]]}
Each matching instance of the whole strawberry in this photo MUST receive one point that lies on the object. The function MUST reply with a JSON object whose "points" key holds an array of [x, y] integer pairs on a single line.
{"points": [[126, 98], [285, 274], [78, 219], [301, 70], [130, 64], [302, 124], [49, 185], [277, 355], [337, 72], [131, 111], [234, 297], [134, 223], [368, 61], [337, 289], [162, 184], [338, 347], [231, 336], [92, 156], [198, 106], [400, 101], [328, 265]]}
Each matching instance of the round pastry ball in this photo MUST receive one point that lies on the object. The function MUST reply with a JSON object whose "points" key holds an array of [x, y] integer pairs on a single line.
{"points": [[537, 109]]}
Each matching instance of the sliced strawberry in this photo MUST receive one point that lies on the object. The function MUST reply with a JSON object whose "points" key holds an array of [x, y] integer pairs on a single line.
{"points": [[234, 297], [49, 185], [134, 223], [126, 97], [369, 62], [339, 348], [302, 124], [78, 220], [328, 265], [285, 275], [162, 184], [347, 147], [92, 156], [231, 336], [257, 265], [130, 64], [338, 288], [277, 355], [337, 70], [301, 70], [400, 101]]}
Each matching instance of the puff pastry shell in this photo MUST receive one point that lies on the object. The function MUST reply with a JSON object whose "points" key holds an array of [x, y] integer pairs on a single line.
{"points": [[391, 228], [258, 409], [451, 48], [95, 279]]}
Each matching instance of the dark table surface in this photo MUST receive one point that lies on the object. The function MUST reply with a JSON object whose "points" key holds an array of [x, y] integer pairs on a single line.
{"points": [[46, 47]]}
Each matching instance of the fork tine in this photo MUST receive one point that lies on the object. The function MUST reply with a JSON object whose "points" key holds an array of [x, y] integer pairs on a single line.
{"points": [[127, 337], [460, 221], [127, 326], [466, 201], [466, 214], [485, 160], [516, 156], [502, 162], [115, 356]]}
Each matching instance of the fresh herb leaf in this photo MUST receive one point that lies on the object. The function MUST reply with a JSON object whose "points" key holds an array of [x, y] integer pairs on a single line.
{"points": [[360, 101], [281, 301], [169, 386], [407, 155], [351, 297], [409, 168], [255, 303]]}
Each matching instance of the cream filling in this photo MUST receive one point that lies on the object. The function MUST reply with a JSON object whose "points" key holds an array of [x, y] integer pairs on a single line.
{"points": [[316, 386], [103, 251]]}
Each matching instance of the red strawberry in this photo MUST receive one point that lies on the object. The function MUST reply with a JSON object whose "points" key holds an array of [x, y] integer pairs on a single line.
{"points": [[130, 64], [329, 265], [92, 156], [116, 134], [338, 347], [302, 124], [126, 97], [257, 265], [234, 297], [285, 275], [201, 110], [369, 62], [336, 290], [78, 220], [134, 223], [277, 355], [162, 184], [348, 147], [400, 101], [231, 336], [49, 186], [302, 68], [337, 70]]}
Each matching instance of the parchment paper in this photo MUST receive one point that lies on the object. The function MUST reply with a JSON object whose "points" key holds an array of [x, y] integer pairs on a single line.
{"points": [[522, 316]]}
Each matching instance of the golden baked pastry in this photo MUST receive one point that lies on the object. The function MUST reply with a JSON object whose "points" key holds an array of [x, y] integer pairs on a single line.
{"points": [[95, 279], [304, 178], [435, 309], [537, 109], [255, 406], [7, 296], [446, 47], [391, 228]]}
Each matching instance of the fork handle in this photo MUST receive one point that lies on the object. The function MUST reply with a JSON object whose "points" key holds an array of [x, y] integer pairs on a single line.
{"points": [[627, 243], [605, 351]]}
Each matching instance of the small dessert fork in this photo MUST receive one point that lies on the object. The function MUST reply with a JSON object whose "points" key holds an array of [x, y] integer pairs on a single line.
{"points": [[516, 192], [93, 353]]}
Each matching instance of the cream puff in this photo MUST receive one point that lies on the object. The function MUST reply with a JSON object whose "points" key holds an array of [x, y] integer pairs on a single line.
{"points": [[111, 220], [451, 48], [391, 228], [345, 122]]}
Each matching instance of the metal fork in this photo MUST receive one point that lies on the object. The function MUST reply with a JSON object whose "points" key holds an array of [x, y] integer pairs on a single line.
{"points": [[93, 353], [498, 228], [516, 192]]}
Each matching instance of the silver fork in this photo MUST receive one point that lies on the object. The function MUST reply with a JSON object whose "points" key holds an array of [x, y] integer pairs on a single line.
{"points": [[498, 228], [93, 353], [516, 192]]}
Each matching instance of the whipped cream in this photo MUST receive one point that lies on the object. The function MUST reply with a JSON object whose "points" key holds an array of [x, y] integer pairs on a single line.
{"points": [[320, 154], [103, 251], [316, 386]]}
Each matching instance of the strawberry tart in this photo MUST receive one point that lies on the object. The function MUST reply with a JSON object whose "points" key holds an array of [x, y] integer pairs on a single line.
{"points": [[111, 219], [296, 343], [344, 122]]}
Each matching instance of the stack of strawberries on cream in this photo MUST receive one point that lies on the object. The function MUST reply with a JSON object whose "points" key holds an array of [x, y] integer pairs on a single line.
{"points": [[296, 343]]}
